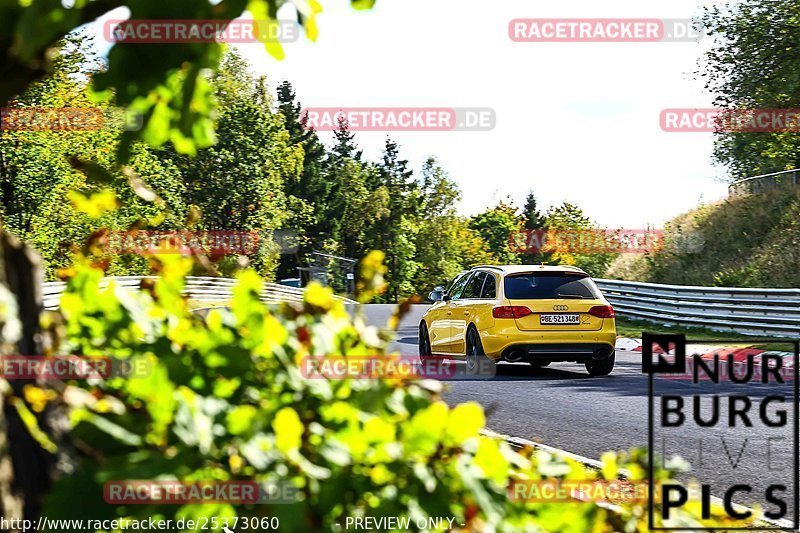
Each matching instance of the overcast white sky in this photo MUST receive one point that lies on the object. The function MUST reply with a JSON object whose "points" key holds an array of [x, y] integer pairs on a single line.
{"points": [[575, 121]]}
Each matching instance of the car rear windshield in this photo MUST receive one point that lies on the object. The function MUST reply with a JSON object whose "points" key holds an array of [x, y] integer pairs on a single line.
{"points": [[549, 285]]}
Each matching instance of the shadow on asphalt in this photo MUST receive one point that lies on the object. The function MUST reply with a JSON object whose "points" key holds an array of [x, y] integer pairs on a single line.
{"points": [[622, 384], [525, 372]]}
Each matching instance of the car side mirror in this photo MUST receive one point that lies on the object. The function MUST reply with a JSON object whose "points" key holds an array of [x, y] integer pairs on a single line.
{"points": [[435, 296]]}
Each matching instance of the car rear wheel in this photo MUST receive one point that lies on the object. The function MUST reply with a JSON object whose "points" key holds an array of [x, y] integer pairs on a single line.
{"points": [[425, 352], [601, 368], [539, 364], [477, 362]]}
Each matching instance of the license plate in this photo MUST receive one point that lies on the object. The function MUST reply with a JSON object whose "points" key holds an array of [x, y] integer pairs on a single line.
{"points": [[560, 319]]}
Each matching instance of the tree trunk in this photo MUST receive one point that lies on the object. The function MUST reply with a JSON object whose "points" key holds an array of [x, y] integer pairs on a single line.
{"points": [[24, 466]]}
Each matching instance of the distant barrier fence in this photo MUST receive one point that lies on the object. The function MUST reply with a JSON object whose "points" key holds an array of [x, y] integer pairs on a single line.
{"points": [[207, 289], [764, 183], [751, 311]]}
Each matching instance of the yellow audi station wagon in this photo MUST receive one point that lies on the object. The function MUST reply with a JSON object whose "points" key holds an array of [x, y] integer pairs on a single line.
{"points": [[520, 313]]}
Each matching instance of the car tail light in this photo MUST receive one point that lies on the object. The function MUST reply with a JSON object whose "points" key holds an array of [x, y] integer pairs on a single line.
{"points": [[511, 311], [602, 311]]}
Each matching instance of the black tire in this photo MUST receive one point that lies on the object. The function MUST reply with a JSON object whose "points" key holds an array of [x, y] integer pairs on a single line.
{"points": [[424, 343], [539, 364], [601, 368], [477, 362]]}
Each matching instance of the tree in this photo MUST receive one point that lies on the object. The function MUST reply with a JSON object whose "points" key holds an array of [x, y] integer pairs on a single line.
{"points": [[533, 219], [568, 224], [496, 226], [535, 224], [238, 183], [43, 173], [309, 194], [166, 82], [343, 151], [345, 146], [753, 65], [394, 230], [445, 245], [362, 207]]}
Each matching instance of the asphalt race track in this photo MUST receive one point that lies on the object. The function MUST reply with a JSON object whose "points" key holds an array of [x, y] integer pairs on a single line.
{"points": [[562, 406]]}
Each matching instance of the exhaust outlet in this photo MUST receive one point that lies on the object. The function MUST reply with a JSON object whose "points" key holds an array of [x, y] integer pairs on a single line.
{"points": [[514, 356]]}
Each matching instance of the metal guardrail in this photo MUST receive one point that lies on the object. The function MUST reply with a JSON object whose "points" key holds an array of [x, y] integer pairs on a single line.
{"points": [[753, 311], [750, 311], [764, 183], [207, 289]]}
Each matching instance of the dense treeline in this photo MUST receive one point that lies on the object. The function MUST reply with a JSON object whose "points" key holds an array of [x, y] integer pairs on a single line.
{"points": [[267, 173]]}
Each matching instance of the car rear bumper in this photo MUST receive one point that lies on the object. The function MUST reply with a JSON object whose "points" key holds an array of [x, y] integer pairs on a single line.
{"points": [[504, 339], [578, 352]]}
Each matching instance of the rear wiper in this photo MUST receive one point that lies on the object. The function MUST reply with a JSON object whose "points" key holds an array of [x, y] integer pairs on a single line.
{"points": [[575, 296]]}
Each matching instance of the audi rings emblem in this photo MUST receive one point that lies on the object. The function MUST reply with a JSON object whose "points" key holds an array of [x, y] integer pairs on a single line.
{"points": [[560, 308]]}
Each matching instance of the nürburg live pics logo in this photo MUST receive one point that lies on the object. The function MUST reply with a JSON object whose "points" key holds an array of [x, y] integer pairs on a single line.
{"points": [[732, 414]]}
